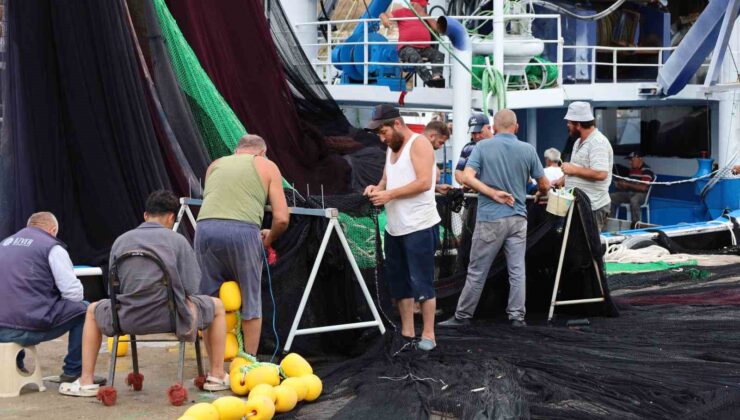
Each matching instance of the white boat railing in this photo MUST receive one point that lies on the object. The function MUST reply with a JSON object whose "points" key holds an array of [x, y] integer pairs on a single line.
{"points": [[328, 73]]}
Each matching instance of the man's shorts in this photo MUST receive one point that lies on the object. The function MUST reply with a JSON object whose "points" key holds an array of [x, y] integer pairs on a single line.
{"points": [[152, 320], [231, 250], [409, 264]]}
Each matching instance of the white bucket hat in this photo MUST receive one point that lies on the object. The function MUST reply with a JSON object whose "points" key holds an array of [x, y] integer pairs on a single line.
{"points": [[579, 111]]}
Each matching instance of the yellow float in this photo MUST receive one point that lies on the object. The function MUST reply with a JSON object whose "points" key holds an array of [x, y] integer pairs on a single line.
{"points": [[260, 408], [230, 408], [122, 345], [202, 411], [299, 386], [286, 398], [314, 386], [294, 365], [264, 374], [237, 363], [237, 383], [230, 295], [265, 390], [232, 347], [230, 321]]}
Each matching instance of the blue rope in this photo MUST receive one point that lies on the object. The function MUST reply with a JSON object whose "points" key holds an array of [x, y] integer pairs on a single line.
{"points": [[274, 307]]}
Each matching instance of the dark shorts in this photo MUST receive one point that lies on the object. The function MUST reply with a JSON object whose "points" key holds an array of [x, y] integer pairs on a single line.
{"points": [[409, 264], [231, 250]]}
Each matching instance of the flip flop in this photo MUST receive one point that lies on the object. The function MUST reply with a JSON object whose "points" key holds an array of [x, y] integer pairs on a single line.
{"points": [[215, 384], [74, 389]]}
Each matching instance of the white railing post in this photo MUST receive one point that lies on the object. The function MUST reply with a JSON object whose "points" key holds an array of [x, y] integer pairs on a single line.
{"points": [[329, 39], [614, 66], [365, 49], [593, 65], [560, 53]]}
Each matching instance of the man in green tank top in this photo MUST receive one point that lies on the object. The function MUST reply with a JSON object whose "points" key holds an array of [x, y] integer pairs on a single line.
{"points": [[228, 242]]}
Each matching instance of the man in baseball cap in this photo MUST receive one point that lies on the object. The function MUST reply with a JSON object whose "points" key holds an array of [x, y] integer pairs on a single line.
{"points": [[590, 166], [382, 113], [479, 127]]}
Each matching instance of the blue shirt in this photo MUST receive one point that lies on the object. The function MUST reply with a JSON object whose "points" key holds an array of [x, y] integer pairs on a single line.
{"points": [[504, 163]]}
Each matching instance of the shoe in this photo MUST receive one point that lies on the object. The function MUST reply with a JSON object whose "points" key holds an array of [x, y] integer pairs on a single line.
{"points": [[76, 390], [435, 83], [98, 380], [455, 322], [518, 323], [426, 344]]}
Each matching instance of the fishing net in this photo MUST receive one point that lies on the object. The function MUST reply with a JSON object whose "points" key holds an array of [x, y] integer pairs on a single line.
{"points": [[217, 123]]}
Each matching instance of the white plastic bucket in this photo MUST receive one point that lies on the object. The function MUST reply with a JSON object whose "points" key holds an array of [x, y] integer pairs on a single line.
{"points": [[559, 201]]}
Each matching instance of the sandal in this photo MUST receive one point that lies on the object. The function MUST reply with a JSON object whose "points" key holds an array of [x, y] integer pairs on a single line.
{"points": [[215, 384], [76, 390]]}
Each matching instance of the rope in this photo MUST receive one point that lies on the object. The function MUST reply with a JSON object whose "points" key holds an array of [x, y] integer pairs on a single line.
{"points": [[597, 16], [254, 363], [683, 181], [619, 253], [493, 85]]}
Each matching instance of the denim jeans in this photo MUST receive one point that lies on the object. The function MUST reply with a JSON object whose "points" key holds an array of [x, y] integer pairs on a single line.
{"points": [[73, 360]]}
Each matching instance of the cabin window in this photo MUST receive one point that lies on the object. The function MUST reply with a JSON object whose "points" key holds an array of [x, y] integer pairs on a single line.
{"points": [[669, 131]]}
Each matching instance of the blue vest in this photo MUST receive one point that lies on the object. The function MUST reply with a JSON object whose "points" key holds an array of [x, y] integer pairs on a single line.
{"points": [[29, 298]]}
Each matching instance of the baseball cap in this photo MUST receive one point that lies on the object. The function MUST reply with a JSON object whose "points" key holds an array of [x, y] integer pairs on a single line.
{"points": [[633, 155], [476, 123], [382, 113], [579, 111]]}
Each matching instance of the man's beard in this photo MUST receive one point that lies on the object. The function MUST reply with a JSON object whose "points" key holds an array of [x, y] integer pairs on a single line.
{"points": [[396, 141]]}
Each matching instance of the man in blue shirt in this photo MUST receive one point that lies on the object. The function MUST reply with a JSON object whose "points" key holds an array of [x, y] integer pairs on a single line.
{"points": [[499, 169]]}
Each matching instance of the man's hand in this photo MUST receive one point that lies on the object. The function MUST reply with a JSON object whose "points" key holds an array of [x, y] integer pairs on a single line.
{"points": [[265, 235], [558, 183], [443, 188], [502, 197], [370, 189], [379, 198], [570, 169]]}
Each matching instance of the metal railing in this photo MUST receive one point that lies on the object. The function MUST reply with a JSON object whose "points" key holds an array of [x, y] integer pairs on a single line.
{"points": [[324, 67]]}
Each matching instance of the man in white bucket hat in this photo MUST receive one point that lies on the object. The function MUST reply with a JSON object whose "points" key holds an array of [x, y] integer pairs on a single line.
{"points": [[590, 166]]}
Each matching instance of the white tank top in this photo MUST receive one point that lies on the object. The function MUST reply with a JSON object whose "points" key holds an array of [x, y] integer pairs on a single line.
{"points": [[410, 214]]}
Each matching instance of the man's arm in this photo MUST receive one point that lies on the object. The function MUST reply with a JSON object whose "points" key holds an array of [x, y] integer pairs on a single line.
{"points": [[187, 267], [372, 188], [422, 158], [422, 11], [636, 186], [385, 20], [280, 211], [64, 275], [471, 180], [585, 173]]}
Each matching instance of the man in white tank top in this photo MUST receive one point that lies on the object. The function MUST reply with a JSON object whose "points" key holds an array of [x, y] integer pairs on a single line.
{"points": [[411, 233]]}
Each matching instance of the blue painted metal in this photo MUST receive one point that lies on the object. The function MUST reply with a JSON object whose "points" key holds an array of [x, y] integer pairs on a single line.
{"points": [[455, 31], [693, 49], [355, 53], [725, 195], [575, 32], [705, 167]]}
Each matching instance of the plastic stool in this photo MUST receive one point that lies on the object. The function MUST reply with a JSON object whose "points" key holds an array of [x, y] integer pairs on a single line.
{"points": [[12, 380]]}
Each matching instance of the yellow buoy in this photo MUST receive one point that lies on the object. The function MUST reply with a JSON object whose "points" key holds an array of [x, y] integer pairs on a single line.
{"points": [[202, 411], [238, 362], [232, 347], [122, 345], [260, 408], [294, 365], [230, 408], [238, 383], [264, 374], [299, 386], [230, 321], [230, 295], [263, 389], [314, 386], [286, 398]]}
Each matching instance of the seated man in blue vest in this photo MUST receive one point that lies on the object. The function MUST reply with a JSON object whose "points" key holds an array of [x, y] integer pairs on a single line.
{"points": [[41, 298], [143, 298]]}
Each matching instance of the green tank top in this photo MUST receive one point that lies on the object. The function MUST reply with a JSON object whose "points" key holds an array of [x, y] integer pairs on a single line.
{"points": [[234, 191]]}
